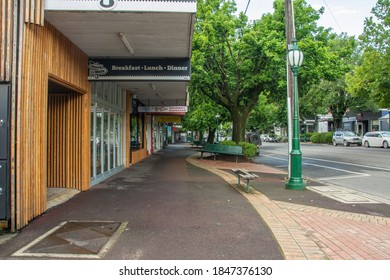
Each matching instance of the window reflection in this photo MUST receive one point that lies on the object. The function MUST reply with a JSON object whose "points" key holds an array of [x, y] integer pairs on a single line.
{"points": [[137, 131], [106, 148]]}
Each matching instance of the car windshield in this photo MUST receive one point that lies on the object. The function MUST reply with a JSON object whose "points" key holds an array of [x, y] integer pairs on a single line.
{"points": [[386, 134], [349, 133]]}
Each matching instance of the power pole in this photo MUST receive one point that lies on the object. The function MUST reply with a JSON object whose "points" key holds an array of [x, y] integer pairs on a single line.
{"points": [[290, 34]]}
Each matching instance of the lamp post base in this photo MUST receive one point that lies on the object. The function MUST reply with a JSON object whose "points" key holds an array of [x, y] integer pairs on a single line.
{"points": [[296, 184]]}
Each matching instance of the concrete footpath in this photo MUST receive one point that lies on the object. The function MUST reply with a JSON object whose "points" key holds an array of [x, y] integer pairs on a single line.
{"points": [[174, 205]]}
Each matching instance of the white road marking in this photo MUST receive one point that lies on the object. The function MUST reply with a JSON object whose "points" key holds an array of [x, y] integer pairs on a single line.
{"points": [[338, 162], [356, 174], [343, 177]]}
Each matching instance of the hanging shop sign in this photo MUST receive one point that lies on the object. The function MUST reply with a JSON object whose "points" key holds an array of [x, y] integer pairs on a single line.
{"points": [[188, 6], [162, 109], [169, 119], [139, 69]]}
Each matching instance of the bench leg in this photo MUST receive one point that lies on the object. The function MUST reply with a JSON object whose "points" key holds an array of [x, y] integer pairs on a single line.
{"points": [[239, 181], [247, 186]]}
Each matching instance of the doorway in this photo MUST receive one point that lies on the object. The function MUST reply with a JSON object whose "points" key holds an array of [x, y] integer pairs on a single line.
{"points": [[64, 137]]}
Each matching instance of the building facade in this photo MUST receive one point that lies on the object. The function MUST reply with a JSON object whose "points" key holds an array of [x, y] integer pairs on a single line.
{"points": [[84, 87]]}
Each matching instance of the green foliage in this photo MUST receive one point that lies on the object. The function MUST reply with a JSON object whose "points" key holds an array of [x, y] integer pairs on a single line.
{"points": [[328, 57], [315, 138], [239, 67], [308, 135], [370, 80], [324, 137], [330, 94], [249, 149], [228, 143], [264, 114], [228, 61]]}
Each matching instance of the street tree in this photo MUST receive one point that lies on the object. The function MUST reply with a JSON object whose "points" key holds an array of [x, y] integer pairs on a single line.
{"points": [[331, 94], [314, 42], [228, 61], [263, 116], [201, 116], [371, 78]]}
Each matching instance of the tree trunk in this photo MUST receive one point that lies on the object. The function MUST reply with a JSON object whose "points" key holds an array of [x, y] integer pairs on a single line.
{"points": [[210, 138], [337, 123], [239, 117]]}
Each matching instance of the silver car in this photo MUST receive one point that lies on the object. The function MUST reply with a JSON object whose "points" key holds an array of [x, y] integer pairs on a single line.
{"points": [[377, 139], [346, 138]]}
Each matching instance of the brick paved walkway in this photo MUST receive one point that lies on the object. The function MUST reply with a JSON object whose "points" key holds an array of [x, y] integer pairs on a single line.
{"points": [[307, 232]]}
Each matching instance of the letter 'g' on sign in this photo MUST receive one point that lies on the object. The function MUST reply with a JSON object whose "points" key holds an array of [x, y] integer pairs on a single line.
{"points": [[107, 4]]}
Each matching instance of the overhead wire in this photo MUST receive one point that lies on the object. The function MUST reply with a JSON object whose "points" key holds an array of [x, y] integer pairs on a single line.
{"points": [[330, 10], [249, 1]]}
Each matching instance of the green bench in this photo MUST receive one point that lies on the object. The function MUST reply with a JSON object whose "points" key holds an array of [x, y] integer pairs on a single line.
{"points": [[217, 149], [210, 149], [242, 173], [198, 143]]}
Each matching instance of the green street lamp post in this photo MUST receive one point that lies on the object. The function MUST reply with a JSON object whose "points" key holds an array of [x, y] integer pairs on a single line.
{"points": [[295, 59]]}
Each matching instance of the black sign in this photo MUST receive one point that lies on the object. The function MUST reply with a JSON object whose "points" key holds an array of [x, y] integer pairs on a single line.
{"points": [[139, 69]]}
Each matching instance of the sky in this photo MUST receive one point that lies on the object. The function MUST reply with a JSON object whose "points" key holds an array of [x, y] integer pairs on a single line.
{"points": [[341, 15]]}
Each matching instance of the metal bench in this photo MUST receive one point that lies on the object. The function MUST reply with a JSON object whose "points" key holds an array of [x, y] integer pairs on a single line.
{"points": [[242, 173], [216, 149], [198, 143], [210, 148], [231, 150]]}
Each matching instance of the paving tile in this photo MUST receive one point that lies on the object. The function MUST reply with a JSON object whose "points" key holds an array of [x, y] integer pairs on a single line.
{"points": [[307, 232]]}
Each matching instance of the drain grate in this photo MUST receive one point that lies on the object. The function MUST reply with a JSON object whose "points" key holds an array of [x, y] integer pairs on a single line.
{"points": [[75, 239]]}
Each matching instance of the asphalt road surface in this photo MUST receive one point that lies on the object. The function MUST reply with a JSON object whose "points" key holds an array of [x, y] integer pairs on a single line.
{"points": [[358, 168]]}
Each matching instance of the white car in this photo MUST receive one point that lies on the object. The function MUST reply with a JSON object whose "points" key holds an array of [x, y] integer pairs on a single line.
{"points": [[377, 139]]}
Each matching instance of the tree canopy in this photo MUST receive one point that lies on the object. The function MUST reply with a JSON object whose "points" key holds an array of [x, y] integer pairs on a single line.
{"points": [[240, 66], [371, 78], [227, 61]]}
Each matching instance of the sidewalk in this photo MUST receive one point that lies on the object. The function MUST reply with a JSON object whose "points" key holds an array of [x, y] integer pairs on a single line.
{"points": [[173, 205], [308, 225]]}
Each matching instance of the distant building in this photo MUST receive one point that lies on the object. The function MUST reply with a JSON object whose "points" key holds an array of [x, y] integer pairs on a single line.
{"points": [[363, 122]]}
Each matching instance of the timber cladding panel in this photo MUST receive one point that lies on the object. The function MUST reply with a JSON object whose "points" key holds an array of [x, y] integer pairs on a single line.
{"points": [[44, 136], [7, 37], [64, 141]]}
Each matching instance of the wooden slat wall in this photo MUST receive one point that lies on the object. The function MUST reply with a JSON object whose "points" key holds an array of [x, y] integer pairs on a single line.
{"points": [[34, 12], [138, 155], [9, 73], [47, 54], [31, 134], [64, 141], [6, 34]]}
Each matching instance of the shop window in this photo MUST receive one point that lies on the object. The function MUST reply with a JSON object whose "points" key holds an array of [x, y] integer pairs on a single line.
{"points": [[137, 131], [375, 125]]}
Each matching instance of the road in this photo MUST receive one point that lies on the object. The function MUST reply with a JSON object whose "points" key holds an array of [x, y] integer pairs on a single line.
{"points": [[358, 168]]}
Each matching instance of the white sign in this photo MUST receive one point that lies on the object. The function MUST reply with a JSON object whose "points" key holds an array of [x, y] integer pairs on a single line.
{"points": [[188, 6], [162, 109]]}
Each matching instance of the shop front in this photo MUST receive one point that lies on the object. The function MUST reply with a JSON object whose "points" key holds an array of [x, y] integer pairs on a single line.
{"points": [[72, 119]]}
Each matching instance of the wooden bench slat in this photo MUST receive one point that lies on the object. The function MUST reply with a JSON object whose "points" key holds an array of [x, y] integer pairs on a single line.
{"points": [[242, 173]]}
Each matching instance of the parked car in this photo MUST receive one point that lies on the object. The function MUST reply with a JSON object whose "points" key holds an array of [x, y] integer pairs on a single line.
{"points": [[267, 138], [346, 138], [377, 139]]}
